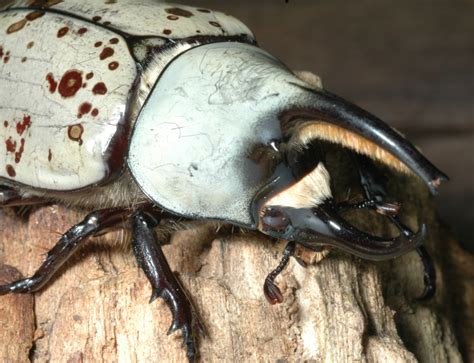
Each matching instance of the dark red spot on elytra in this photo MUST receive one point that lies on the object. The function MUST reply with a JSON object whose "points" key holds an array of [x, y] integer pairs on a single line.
{"points": [[70, 83], [34, 15], [95, 112], [97, 18], [215, 23], [99, 89], [5, 123], [44, 3], [106, 53], [97, 44], [89, 75], [30, 45], [6, 59], [50, 155], [114, 41], [10, 171], [63, 31], [11, 145], [113, 66], [167, 31], [74, 132], [19, 153], [24, 125], [179, 12], [81, 31], [84, 109], [16, 26], [52, 83], [1, 52], [172, 17]]}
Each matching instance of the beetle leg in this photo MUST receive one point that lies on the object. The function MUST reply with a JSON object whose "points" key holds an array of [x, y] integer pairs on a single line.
{"points": [[429, 272], [165, 284], [270, 289], [374, 190], [67, 245], [11, 198]]}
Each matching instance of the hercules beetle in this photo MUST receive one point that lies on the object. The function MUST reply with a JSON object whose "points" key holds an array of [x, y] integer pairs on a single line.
{"points": [[141, 109]]}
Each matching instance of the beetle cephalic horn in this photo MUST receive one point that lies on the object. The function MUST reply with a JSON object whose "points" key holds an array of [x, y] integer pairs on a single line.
{"points": [[304, 211], [345, 123], [322, 225]]}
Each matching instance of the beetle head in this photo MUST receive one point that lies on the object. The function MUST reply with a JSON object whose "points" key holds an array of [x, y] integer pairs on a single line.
{"points": [[305, 211], [219, 133]]}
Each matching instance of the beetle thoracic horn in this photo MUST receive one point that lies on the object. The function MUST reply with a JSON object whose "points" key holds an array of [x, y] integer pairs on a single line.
{"points": [[345, 123]]}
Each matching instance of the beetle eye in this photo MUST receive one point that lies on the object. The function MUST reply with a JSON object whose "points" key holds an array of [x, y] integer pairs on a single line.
{"points": [[274, 219]]}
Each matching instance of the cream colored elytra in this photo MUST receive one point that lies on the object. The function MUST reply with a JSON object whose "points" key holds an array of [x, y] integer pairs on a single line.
{"points": [[72, 82], [45, 83]]}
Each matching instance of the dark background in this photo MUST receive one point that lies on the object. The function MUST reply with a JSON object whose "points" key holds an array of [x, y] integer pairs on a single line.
{"points": [[409, 62]]}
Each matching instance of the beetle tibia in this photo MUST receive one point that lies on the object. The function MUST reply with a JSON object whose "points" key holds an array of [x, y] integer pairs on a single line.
{"points": [[164, 283]]}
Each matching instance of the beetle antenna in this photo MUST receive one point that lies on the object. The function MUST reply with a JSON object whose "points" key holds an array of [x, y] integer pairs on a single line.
{"points": [[271, 290]]}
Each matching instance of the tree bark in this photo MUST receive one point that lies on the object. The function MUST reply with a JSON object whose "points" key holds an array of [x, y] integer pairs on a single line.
{"points": [[340, 310]]}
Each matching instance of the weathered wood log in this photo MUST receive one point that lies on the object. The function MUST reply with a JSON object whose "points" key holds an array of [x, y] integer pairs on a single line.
{"points": [[16, 321], [342, 309]]}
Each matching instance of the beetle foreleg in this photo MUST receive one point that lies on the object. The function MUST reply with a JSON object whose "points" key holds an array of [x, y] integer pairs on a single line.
{"points": [[165, 284], [67, 245], [375, 192], [11, 198], [429, 272], [270, 289]]}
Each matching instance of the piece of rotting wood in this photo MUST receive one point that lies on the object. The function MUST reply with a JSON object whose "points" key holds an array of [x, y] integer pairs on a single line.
{"points": [[342, 309], [17, 321]]}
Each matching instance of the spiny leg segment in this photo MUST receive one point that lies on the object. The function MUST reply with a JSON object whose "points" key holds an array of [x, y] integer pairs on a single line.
{"points": [[152, 261], [375, 192], [67, 245], [150, 258]]}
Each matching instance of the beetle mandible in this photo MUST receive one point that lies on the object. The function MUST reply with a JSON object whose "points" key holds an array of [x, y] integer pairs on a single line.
{"points": [[141, 110]]}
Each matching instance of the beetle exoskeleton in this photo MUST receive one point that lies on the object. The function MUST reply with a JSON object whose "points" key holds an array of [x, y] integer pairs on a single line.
{"points": [[137, 109]]}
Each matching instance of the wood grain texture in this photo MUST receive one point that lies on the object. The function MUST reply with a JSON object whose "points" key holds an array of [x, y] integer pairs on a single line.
{"points": [[16, 321], [340, 310]]}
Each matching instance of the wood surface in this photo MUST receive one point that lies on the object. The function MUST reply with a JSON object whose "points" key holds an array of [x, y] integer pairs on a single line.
{"points": [[343, 309]]}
